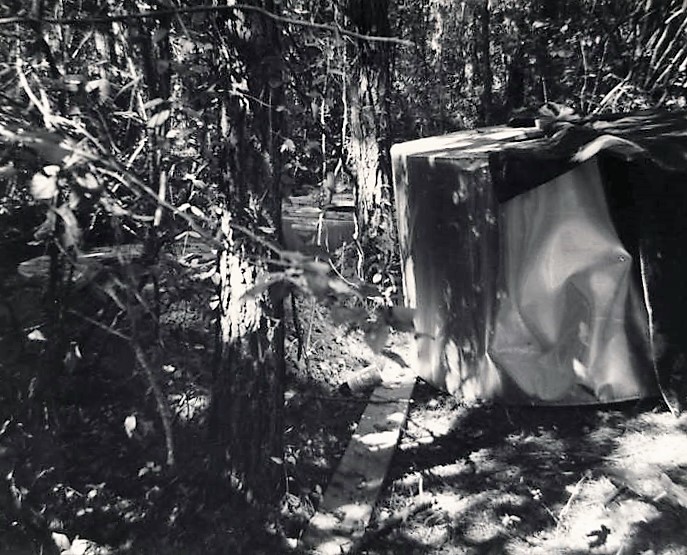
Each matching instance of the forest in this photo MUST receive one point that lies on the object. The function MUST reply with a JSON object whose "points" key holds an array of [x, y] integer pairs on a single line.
{"points": [[171, 366]]}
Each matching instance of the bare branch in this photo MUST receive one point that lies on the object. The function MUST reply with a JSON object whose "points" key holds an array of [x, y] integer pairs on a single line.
{"points": [[43, 109], [159, 14], [160, 401], [105, 328]]}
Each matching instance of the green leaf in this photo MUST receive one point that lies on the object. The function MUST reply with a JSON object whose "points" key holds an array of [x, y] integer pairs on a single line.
{"points": [[89, 182], [153, 103], [287, 146], [71, 237], [100, 85], [43, 187], [196, 211], [61, 541], [47, 228], [158, 119], [36, 335]]}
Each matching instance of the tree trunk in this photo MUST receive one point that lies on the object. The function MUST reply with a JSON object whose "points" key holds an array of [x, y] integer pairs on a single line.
{"points": [[515, 82], [483, 58], [369, 142], [247, 397], [548, 86]]}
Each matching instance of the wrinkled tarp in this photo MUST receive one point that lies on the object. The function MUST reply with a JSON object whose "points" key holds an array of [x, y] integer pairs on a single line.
{"points": [[571, 325], [564, 289]]}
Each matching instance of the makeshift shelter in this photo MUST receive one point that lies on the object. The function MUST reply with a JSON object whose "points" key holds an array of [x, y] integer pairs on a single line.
{"points": [[548, 266]]}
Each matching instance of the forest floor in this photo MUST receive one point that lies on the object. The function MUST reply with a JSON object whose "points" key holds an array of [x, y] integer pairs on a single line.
{"points": [[493, 479], [464, 480]]}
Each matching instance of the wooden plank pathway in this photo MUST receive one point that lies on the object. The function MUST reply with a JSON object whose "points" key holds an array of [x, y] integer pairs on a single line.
{"points": [[346, 508]]}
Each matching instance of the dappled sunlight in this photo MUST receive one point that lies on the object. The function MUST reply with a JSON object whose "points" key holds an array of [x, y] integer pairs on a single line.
{"points": [[641, 449], [522, 480], [223, 293], [375, 441], [186, 406], [468, 142]]}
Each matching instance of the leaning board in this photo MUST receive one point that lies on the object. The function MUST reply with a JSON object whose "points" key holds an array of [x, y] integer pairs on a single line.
{"points": [[346, 507]]}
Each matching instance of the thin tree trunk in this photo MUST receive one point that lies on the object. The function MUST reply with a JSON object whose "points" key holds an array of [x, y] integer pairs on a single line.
{"points": [[515, 84], [549, 87], [482, 51]]}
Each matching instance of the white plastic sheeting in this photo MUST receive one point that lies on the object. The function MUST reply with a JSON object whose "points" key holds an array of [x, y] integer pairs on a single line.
{"points": [[531, 301], [571, 324]]}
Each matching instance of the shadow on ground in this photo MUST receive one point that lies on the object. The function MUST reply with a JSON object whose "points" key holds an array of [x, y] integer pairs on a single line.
{"points": [[520, 480]]}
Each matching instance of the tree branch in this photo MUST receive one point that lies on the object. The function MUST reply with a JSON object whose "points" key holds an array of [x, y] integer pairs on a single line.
{"points": [[159, 14], [160, 401]]}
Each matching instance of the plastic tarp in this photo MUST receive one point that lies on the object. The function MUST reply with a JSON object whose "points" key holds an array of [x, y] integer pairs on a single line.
{"points": [[571, 325], [536, 296]]}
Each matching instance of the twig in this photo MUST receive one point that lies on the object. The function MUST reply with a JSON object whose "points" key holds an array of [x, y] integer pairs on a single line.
{"points": [[297, 325], [340, 275], [100, 325], [308, 337], [47, 116], [162, 406], [597, 81], [159, 14], [585, 67], [5, 427], [161, 194], [421, 503], [573, 495], [613, 95], [134, 155], [351, 400]]}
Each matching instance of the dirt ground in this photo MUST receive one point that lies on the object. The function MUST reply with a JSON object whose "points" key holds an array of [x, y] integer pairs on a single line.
{"points": [[537, 480]]}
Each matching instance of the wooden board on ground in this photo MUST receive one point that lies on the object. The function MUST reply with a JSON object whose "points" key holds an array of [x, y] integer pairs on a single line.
{"points": [[39, 267], [305, 224], [346, 507]]}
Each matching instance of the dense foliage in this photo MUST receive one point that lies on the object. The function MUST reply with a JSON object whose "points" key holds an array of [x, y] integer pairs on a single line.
{"points": [[177, 128]]}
